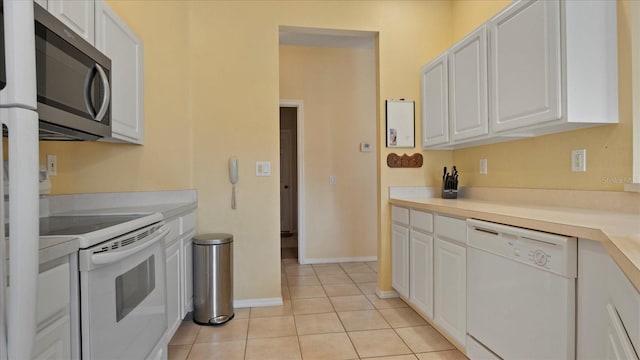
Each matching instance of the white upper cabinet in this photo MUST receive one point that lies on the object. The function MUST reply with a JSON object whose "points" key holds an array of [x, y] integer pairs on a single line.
{"points": [[537, 67], [77, 15], [124, 48], [454, 94], [435, 103], [468, 87], [526, 63], [554, 66]]}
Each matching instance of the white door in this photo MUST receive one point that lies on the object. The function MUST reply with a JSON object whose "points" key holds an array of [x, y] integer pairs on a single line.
{"points": [[450, 310], [435, 103], [421, 274], [124, 48], [400, 259], [468, 101], [77, 15], [525, 62], [286, 181]]}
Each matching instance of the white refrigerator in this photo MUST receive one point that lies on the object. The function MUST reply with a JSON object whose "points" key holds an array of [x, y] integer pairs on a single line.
{"points": [[19, 260]]}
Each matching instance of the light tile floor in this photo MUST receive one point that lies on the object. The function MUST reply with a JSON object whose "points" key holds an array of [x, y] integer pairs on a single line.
{"points": [[330, 312]]}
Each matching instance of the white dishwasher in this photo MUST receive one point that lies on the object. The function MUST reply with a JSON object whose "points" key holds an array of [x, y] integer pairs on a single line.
{"points": [[521, 288]]}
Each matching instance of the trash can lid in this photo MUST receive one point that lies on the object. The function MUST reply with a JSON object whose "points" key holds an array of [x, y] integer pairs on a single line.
{"points": [[213, 239]]}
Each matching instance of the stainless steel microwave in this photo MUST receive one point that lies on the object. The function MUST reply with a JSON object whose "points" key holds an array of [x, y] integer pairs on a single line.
{"points": [[73, 83]]}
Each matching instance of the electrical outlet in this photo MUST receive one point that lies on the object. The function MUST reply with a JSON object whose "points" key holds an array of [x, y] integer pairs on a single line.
{"points": [[332, 180], [579, 160], [52, 165], [483, 166]]}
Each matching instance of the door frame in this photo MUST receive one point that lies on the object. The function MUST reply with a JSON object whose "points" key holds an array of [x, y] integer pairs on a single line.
{"points": [[299, 105]]}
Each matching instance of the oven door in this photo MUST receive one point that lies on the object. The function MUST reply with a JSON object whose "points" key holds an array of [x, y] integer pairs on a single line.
{"points": [[123, 295]]}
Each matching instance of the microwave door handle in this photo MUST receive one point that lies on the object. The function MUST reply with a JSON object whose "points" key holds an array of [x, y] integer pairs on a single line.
{"points": [[88, 80], [106, 97]]}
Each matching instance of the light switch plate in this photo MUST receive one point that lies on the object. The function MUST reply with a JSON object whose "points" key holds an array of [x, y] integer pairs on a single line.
{"points": [[263, 168]]}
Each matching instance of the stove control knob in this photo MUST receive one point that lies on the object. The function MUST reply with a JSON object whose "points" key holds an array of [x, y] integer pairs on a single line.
{"points": [[540, 258]]}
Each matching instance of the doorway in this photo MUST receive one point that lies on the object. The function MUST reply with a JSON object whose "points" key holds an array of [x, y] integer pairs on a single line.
{"points": [[289, 239]]}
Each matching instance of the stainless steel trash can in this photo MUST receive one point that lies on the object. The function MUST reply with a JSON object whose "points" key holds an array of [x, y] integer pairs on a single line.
{"points": [[212, 278]]}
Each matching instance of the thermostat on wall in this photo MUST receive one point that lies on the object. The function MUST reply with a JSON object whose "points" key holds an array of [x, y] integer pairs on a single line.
{"points": [[365, 147]]}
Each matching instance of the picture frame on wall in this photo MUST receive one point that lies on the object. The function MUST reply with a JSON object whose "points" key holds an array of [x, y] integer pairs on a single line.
{"points": [[400, 115]]}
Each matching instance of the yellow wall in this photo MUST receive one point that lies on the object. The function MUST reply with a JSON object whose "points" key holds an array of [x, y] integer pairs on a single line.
{"points": [[545, 162], [235, 96], [338, 87], [212, 91]]}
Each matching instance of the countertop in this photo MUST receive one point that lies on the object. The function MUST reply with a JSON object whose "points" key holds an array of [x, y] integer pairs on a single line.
{"points": [[619, 232], [53, 247]]}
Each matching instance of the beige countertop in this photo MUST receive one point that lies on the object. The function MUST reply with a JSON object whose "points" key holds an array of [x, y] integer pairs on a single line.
{"points": [[619, 232]]}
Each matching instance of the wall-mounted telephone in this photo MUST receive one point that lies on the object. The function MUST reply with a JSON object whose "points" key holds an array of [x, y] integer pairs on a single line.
{"points": [[233, 177]]}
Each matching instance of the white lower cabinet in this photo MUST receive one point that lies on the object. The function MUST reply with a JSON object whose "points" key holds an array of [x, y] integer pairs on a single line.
{"points": [[450, 276], [174, 307], [179, 260], [400, 259], [450, 310], [608, 309], [618, 346], [186, 251], [421, 272], [53, 334]]}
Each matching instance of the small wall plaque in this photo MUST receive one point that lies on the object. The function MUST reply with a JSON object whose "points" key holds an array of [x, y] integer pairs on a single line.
{"points": [[404, 161]]}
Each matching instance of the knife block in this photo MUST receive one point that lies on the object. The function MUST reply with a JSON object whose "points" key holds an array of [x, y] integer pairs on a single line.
{"points": [[449, 194]]}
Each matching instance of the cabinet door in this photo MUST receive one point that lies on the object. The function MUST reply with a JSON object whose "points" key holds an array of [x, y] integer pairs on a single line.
{"points": [[53, 342], [468, 86], [174, 294], [124, 48], [450, 310], [435, 103], [421, 274], [187, 274], [525, 62], [400, 259], [77, 15], [618, 345]]}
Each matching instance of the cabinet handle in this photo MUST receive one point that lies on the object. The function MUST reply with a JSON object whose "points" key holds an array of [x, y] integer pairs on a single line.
{"points": [[486, 231]]}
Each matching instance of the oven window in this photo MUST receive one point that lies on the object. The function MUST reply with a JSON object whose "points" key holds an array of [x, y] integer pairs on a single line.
{"points": [[133, 287]]}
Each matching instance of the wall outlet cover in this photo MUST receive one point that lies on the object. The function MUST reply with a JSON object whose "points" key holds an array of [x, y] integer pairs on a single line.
{"points": [[579, 160], [483, 166]]}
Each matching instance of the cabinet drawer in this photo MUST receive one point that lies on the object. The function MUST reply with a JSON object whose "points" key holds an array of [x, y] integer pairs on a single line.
{"points": [[400, 215], [188, 223], [422, 221], [451, 228], [53, 290]]}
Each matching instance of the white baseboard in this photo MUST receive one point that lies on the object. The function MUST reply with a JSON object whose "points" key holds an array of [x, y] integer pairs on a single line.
{"points": [[340, 260], [246, 303], [387, 294]]}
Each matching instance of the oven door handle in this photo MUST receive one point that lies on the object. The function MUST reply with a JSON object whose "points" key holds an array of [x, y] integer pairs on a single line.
{"points": [[115, 256]]}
